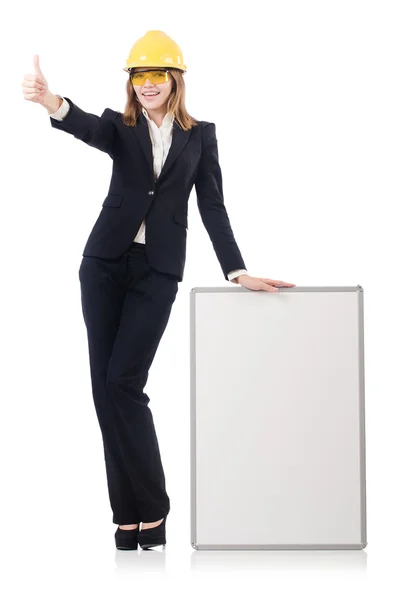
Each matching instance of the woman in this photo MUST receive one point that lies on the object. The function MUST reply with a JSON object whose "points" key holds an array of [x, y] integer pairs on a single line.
{"points": [[134, 260]]}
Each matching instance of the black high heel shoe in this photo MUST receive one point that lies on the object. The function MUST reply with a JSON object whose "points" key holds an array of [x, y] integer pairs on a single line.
{"points": [[153, 536], [126, 539]]}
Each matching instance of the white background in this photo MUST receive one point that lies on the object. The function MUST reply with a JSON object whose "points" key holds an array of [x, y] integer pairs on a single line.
{"points": [[304, 96]]}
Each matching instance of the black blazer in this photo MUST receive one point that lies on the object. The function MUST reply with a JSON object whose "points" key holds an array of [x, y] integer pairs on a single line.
{"points": [[134, 194]]}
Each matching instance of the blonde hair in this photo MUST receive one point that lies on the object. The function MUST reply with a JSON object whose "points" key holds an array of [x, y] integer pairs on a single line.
{"points": [[175, 103]]}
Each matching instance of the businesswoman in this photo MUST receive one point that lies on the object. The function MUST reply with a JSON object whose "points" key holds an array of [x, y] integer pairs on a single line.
{"points": [[134, 259]]}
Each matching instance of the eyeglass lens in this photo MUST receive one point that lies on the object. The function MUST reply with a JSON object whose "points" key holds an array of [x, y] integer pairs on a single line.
{"points": [[139, 77]]}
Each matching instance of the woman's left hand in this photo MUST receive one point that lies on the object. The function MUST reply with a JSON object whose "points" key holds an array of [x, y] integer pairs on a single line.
{"points": [[259, 283]]}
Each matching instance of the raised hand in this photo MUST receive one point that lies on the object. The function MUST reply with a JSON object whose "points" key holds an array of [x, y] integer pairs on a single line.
{"points": [[34, 85]]}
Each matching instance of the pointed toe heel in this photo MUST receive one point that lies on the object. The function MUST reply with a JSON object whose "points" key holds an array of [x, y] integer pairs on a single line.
{"points": [[154, 536], [126, 539]]}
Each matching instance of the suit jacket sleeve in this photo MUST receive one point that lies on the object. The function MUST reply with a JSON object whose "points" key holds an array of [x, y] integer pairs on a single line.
{"points": [[98, 132], [211, 205]]}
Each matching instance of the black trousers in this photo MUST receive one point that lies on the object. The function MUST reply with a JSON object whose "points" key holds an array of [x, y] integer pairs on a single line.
{"points": [[126, 307]]}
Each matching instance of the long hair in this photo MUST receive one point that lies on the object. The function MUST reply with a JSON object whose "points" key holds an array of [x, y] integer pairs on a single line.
{"points": [[175, 103]]}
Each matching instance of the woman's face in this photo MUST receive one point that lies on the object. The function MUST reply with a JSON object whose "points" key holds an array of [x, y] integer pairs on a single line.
{"points": [[163, 89]]}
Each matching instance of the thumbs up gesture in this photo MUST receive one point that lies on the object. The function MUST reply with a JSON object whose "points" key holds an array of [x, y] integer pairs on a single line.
{"points": [[34, 85]]}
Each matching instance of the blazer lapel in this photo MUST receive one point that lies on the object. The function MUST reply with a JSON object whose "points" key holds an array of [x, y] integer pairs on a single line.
{"points": [[179, 139]]}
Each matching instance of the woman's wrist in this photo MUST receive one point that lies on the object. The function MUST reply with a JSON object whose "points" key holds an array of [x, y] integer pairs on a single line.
{"points": [[52, 102], [236, 279]]}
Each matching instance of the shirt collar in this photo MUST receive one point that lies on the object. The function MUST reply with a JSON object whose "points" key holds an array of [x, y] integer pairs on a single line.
{"points": [[168, 119]]}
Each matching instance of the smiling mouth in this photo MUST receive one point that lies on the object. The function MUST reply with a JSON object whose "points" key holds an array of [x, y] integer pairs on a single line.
{"points": [[151, 94]]}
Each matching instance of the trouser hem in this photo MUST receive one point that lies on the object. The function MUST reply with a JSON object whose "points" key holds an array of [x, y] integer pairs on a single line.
{"points": [[128, 521], [152, 518]]}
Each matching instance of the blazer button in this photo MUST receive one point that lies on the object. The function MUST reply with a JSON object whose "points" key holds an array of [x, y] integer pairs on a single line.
{"points": [[151, 193]]}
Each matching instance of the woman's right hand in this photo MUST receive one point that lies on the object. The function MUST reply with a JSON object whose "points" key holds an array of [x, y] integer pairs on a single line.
{"points": [[35, 88], [34, 85]]}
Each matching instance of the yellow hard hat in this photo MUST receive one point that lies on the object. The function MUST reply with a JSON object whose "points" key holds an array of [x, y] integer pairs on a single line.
{"points": [[155, 49]]}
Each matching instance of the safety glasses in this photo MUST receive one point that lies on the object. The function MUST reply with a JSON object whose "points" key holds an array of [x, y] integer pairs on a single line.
{"points": [[139, 77]]}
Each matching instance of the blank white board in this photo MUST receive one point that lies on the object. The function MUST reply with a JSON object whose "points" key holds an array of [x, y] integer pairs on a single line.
{"points": [[277, 418]]}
